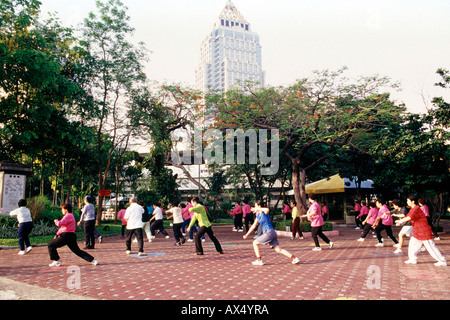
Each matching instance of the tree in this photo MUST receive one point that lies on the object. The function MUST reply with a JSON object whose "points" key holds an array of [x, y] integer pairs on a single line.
{"points": [[114, 69], [157, 115], [324, 112], [35, 85]]}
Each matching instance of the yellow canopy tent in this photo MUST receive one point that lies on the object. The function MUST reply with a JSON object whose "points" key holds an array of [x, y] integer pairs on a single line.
{"points": [[333, 184]]}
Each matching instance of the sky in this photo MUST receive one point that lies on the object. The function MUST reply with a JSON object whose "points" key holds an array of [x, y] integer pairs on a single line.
{"points": [[406, 41]]}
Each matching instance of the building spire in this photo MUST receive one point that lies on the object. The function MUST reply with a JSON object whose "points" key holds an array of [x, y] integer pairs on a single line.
{"points": [[230, 12]]}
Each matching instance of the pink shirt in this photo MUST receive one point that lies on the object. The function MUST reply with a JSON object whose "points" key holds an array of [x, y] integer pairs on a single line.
{"points": [[425, 210], [364, 211], [185, 212], [121, 215], [317, 219], [324, 209], [246, 209], [357, 207], [373, 214], [237, 210], [387, 219], [66, 224], [286, 209]]}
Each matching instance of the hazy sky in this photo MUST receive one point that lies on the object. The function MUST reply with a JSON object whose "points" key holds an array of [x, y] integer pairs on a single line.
{"points": [[404, 40]]}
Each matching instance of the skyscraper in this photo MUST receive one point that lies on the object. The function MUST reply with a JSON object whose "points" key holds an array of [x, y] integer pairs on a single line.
{"points": [[230, 54]]}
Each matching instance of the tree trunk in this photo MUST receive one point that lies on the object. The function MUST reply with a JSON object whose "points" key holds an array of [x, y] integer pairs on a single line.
{"points": [[298, 182]]}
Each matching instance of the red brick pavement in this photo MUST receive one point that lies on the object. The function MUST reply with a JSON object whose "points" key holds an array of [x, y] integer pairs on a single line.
{"points": [[351, 270]]}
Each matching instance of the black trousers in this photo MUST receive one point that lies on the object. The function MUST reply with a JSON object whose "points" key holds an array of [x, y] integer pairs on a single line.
{"points": [[317, 231], [248, 221], [89, 233], [25, 229], [367, 228], [238, 221], [388, 229], [67, 239], [158, 225], [198, 239], [139, 236], [177, 231]]}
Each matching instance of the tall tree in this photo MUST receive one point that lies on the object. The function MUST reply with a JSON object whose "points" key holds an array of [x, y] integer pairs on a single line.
{"points": [[115, 69], [322, 113]]}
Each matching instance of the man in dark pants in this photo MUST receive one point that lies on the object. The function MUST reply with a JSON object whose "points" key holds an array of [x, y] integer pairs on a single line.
{"points": [[133, 216], [205, 227]]}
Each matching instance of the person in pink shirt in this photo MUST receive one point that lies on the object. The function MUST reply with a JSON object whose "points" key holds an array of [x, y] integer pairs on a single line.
{"points": [[357, 209], [384, 222], [237, 213], [247, 214], [121, 216], [314, 214], [66, 236], [426, 211], [369, 221], [287, 211], [325, 211]]}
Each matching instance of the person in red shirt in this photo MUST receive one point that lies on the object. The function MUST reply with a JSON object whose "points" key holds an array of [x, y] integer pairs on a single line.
{"points": [[422, 234]]}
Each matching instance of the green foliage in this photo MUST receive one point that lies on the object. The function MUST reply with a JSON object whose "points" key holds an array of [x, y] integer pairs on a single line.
{"points": [[37, 206]]}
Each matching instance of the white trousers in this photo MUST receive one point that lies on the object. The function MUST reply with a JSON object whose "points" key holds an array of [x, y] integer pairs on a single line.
{"points": [[415, 245]]}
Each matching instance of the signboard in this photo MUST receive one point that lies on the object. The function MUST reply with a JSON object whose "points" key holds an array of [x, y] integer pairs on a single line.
{"points": [[12, 189], [105, 193]]}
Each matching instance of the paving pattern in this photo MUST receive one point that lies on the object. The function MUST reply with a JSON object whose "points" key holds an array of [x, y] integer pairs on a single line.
{"points": [[351, 270]]}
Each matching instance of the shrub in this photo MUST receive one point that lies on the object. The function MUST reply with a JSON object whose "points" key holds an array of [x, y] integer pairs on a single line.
{"points": [[38, 205]]}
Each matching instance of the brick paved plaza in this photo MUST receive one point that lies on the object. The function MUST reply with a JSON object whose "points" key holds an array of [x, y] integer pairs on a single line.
{"points": [[351, 270]]}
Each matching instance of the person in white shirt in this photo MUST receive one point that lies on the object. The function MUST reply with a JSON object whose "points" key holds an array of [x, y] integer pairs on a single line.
{"points": [[88, 218], [158, 224], [133, 216], [177, 223], [23, 215]]}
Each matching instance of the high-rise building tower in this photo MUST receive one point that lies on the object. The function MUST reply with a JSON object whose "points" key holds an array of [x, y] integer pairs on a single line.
{"points": [[230, 54]]}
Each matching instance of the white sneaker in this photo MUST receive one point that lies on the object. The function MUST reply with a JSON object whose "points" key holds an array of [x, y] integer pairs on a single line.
{"points": [[29, 249], [437, 239], [128, 252], [295, 261], [234, 229], [411, 262], [149, 240], [203, 240], [422, 249], [141, 254], [331, 244], [190, 240], [258, 263], [361, 239], [55, 264], [379, 245], [21, 252], [397, 245], [135, 240], [94, 262], [167, 237], [240, 230], [100, 239], [317, 249], [398, 250], [441, 264]]}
